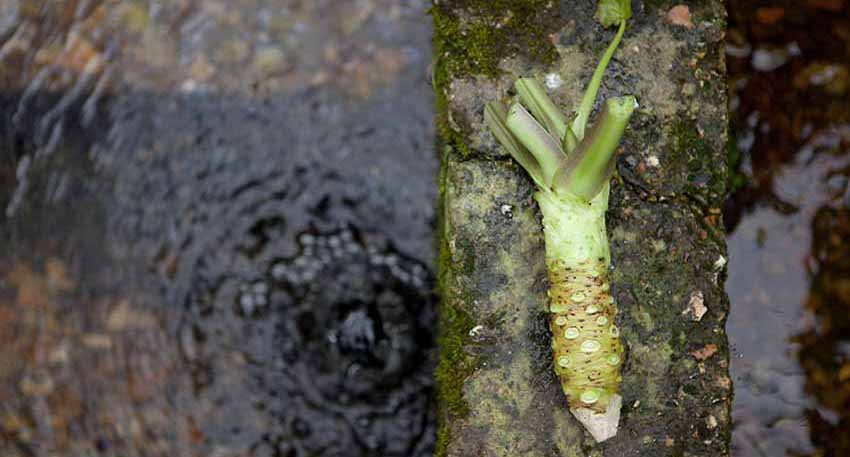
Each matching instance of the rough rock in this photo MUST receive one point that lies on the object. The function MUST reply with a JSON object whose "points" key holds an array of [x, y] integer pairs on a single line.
{"points": [[498, 393]]}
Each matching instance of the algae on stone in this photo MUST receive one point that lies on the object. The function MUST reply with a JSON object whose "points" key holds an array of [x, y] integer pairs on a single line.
{"points": [[498, 395]]}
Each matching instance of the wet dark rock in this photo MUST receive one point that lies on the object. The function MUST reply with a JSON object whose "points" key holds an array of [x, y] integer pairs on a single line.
{"points": [[278, 243], [356, 335]]}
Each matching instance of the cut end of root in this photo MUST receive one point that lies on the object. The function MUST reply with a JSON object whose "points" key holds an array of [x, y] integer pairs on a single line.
{"points": [[601, 425]]}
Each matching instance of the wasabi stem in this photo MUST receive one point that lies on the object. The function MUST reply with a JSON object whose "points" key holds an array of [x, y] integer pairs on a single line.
{"points": [[590, 166], [495, 115], [572, 173], [532, 94], [569, 142], [583, 113], [537, 140]]}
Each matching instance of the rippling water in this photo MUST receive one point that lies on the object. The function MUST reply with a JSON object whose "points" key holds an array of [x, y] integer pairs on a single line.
{"points": [[217, 228], [788, 218]]}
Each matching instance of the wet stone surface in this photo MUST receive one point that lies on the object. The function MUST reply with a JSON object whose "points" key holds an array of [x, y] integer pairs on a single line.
{"points": [[217, 229], [499, 395]]}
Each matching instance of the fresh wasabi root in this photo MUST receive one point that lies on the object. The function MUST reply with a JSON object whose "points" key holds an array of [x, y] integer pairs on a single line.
{"points": [[572, 173], [586, 349]]}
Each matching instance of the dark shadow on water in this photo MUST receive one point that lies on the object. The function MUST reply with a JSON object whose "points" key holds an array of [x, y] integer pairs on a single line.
{"points": [[825, 347], [219, 275]]}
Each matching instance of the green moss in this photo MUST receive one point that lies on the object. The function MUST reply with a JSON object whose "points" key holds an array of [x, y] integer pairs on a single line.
{"points": [[454, 325], [455, 364], [687, 142], [454, 367], [658, 5], [472, 36], [737, 179], [695, 155]]}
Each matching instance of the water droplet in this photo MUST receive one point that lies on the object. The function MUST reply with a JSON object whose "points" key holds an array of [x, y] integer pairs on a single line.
{"points": [[577, 297], [561, 321], [589, 397], [613, 359], [247, 303], [553, 81], [611, 300], [571, 333], [591, 309], [605, 287], [590, 346], [615, 332], [601, 320], [564, 361]]}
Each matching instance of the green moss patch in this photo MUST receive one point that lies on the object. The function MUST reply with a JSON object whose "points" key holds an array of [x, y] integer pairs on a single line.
{"points": [[472, 36]]}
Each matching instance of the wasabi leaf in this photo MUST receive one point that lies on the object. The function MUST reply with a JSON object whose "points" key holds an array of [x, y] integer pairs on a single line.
{"points": [[613, 12]]}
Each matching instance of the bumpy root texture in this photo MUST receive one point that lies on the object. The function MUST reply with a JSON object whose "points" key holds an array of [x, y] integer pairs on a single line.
{"points": [[586, 348], [585, 339]]}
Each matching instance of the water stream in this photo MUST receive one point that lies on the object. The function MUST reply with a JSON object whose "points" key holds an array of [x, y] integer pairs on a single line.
{"points": [[788, 238], [217, 228]]}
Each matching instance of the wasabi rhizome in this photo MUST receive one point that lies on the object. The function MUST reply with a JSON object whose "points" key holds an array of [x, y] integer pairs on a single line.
{"points": [[572, 169]]}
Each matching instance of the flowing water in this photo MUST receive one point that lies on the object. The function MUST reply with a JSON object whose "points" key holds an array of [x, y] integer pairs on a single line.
{"points": [[789, 220], [217, 228]]}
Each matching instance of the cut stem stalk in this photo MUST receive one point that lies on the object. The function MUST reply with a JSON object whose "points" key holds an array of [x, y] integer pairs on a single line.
{"points": [[583, 113], [531, 134], [591, 165], [533, 95]]}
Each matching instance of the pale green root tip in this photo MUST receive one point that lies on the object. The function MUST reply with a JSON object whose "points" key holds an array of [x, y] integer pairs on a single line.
{"points": [[589, 397], [590, 346]]}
